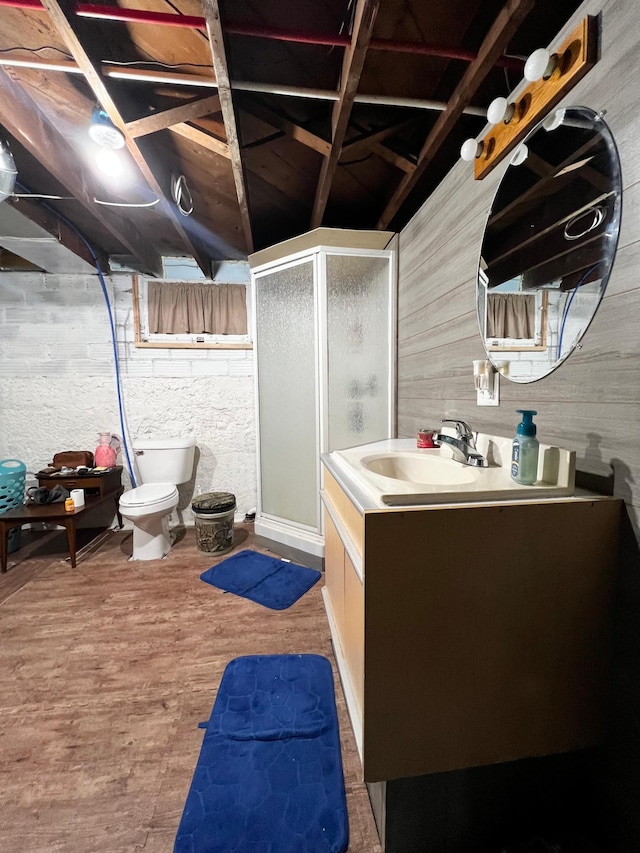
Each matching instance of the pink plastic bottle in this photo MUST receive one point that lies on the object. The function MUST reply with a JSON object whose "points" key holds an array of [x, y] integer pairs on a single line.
{"points": [[105, 455]]}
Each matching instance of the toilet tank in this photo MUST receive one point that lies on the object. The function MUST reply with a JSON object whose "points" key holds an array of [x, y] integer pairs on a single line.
{"points": [[164, 460]]}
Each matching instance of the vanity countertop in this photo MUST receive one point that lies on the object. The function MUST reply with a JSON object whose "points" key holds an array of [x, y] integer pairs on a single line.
{"points": [[369, 490]]}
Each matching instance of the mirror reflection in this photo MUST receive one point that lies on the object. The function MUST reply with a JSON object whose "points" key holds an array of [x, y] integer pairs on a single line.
{"points": [[549, 244]]}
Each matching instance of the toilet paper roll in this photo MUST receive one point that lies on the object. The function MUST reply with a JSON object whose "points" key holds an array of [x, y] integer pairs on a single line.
{"points": [[77, 496]]}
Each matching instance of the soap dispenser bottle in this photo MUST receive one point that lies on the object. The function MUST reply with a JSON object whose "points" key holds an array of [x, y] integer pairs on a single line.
{"points": [[524, 456]]}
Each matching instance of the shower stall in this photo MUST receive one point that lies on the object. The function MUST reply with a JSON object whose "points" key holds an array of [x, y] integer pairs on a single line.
{"points": [[324, 337]]}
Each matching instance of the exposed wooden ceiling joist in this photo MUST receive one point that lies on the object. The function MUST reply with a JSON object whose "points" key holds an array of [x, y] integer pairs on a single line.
{"points": [[211, 143], [295, 131], [58, 228], [352, 65], [494, 44], [25, 121], [175, 115], [365, 141], [221, 68], [94, 79], [396, 160]]}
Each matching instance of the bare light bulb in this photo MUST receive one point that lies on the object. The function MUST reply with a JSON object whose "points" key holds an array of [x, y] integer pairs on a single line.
{"points": [[540, 64], [520, 155], [500, 110], [470, 150], [109, 162], [553, 121]]}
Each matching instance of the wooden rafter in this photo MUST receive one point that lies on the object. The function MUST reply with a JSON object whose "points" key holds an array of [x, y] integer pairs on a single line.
{"points": [[95, 81], [280, 122], [200, 137], [21, 116], [396, 160], [495, 43], [216, 41], [352, 65], [61, 232], [365, 141], [166, 118]]}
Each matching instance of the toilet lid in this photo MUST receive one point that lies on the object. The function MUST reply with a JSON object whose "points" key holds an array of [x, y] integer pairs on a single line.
{"points": [[148, 494]]}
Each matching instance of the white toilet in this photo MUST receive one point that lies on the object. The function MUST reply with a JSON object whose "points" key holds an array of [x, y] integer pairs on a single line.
{"points": [[162, 464]]}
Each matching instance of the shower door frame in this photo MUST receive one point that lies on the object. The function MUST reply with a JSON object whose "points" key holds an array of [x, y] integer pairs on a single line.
{"points": [[306, 538]]}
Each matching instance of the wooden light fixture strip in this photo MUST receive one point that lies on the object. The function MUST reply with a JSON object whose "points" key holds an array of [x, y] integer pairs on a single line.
{"points": [[575, 56]]}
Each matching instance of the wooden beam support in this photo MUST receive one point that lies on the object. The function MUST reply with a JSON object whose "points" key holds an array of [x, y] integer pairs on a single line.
{"points": [[495, 43], [63, 233], [21, 116], [211, 143], [94, 79], [176, 115], [364, 142], [216, 42], [280, 122], [352, 65], [394, 159]]}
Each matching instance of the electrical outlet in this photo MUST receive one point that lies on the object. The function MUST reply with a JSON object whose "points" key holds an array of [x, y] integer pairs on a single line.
{"points": [[491, 397]]}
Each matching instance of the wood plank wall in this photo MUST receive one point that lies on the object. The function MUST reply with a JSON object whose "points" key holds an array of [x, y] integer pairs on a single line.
{"points": [[592, 402]]}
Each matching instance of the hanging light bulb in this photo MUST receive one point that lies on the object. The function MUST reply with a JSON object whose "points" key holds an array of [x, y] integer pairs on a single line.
{"points": [[103, 131], [500, 110], [471, 149], [109, 162], [540, 65]]}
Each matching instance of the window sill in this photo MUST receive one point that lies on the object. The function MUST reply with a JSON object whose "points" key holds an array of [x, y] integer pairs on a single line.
{"points": [[185, 345]]}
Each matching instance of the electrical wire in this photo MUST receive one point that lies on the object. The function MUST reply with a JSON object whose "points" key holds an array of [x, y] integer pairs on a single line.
{"points": [[114, 344], [353, 162], [182, 195], [36, 50], [157, 62], [134, 62], [565, 313], [41, 195], [128, 203]]}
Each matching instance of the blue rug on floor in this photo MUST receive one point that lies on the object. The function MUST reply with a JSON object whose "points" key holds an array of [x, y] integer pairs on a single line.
{"points": [[269, 775], [266, 580]]}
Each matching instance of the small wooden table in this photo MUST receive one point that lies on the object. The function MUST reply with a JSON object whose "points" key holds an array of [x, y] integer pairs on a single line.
{"points": [[93, 483], [54, 513]]}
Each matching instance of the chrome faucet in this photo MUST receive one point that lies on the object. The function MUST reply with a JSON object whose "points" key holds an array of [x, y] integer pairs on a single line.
{"points": [[463, 446]]}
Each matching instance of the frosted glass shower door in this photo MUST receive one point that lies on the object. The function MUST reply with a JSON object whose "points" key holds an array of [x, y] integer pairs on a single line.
{"points": [[288, 416], [359, 349]]}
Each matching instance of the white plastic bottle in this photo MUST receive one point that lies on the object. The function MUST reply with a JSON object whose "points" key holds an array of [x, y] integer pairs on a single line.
{"points": [[524, 454]]}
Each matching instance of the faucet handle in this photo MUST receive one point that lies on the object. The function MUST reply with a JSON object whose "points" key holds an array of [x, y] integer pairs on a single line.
{"points": [[463, 430]]}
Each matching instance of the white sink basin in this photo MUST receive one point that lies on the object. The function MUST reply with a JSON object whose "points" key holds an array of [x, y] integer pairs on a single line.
{"points": [[395, 473], [419, 468]]}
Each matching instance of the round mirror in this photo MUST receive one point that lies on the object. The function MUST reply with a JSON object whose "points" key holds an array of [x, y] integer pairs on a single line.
{"points": [[549, 244]]}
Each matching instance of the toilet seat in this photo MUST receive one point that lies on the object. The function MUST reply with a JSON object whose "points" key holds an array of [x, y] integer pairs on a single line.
{"points": [[149, 495]]}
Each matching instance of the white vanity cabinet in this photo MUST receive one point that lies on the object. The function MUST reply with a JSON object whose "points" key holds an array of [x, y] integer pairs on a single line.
{"points": [[469, 634]]}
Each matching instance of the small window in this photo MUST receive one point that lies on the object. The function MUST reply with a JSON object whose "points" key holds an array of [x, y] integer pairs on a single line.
{"points": [[192, 314], [514, 319]]}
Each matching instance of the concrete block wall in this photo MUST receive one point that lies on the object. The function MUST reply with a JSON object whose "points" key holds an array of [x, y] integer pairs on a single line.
{"points": [[58, 387]]}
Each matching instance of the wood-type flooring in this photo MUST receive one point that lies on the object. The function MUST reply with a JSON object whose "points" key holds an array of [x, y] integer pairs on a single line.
{"points": [[106, 671]]}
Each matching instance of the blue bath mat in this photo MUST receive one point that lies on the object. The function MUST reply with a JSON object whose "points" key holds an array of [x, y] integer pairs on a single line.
{"points": [[269, 775], [266, 580]]}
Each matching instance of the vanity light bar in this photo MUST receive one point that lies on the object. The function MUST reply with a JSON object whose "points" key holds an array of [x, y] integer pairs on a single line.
{"points": [[575, 56]]}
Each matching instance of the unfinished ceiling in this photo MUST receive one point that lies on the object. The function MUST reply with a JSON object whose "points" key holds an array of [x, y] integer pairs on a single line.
{"points": [[280, 116]]}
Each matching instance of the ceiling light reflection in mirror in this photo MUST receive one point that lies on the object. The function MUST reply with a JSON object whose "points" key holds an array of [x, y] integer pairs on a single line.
{"points": [[549, 244]]}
